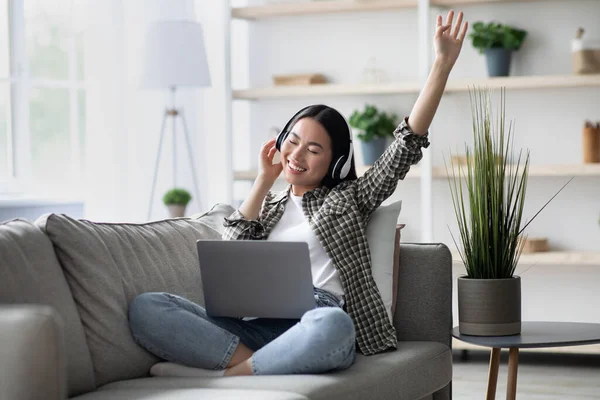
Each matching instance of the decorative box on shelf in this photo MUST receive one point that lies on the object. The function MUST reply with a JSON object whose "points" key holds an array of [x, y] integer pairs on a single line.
{"points": [[299, 79], [535, 245], [586, 54]]}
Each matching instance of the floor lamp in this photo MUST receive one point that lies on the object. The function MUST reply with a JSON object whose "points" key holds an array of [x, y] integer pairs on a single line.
{"points": [[174, 57]]}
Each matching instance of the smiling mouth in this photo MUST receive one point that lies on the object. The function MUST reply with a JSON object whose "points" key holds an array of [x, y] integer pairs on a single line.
{"points": [[294, 167]]}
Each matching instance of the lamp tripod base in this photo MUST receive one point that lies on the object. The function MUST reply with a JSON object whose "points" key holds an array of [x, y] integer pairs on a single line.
{"points": [[174, 113]]}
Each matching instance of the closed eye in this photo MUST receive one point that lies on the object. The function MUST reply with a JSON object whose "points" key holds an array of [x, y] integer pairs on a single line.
{"points": [[310, 151]]}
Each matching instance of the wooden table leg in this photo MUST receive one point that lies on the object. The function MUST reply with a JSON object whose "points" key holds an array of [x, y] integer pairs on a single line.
{"points": [[513, 366], [493, 374]]}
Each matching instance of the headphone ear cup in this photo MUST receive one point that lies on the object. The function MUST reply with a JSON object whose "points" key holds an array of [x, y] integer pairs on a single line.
{"points": [[280, 139], [347, 163], [337, 168]]}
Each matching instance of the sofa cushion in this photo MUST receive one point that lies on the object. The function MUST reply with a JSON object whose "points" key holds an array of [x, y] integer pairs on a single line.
{"points": [[31, 274], [413, 371], [108, 264], [381, 231], [189, 394]]}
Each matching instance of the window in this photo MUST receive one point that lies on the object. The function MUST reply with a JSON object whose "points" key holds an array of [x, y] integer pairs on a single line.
{"points": [[5, 170], [42, 96]]}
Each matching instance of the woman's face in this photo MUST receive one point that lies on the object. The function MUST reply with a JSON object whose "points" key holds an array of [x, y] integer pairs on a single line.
{"points": [[306, 155]]}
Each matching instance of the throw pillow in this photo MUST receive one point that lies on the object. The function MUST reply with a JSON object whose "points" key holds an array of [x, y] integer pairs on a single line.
{"points": [[108, 264], [381, 234]]}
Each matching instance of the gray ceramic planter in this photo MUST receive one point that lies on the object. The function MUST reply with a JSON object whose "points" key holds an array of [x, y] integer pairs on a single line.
{"points": [[489, 307], [498, 61], [373, 150]]}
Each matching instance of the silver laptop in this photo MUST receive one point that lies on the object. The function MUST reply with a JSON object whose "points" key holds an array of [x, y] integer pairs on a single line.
{"points": [[256, 278]]}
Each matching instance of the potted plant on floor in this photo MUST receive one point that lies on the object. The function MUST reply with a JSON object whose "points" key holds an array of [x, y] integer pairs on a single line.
{"points": [[374, 128], [176, 201], [498, 42], [489, 218]]}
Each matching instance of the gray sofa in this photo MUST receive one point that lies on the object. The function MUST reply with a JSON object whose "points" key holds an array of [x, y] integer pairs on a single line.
{"points": [[65, 285]]}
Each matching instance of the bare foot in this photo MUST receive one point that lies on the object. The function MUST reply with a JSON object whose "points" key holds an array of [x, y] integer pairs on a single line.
{"points": [[241, 369], [242, 353], [240, 363]]}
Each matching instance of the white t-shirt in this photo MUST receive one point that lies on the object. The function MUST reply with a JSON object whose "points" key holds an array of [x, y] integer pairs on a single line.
{"points": [[293, 227]]}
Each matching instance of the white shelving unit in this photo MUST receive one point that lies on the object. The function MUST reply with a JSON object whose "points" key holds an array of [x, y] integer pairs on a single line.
{"points": [[426, 172]]}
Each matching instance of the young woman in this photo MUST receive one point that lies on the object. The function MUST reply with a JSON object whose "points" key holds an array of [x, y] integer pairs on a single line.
{"points": [[328, 207]]}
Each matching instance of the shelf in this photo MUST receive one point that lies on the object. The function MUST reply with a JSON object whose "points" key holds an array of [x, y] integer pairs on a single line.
{"points": [[251, 175], [414, 87], [440, 172], [320, 7], [345, 6], [542, 170], [552, 258], [454, 3], [526, 82], [328, 89]]}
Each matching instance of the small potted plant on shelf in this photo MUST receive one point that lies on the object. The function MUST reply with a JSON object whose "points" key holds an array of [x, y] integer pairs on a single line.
{"points": [[176, 201], [374, 128], [497, 41], [489, 217]]}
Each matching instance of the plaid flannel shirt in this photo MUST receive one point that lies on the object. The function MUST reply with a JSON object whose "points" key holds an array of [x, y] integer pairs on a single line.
{"points": [[339, 218]]}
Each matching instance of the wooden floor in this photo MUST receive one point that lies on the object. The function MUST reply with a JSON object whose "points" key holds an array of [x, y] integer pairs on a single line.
{"points": [[541, 376]]}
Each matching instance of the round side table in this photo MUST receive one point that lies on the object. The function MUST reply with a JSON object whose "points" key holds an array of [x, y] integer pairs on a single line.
{"points": [[533, 335]]}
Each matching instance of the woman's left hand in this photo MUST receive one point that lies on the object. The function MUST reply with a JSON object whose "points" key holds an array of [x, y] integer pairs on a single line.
{"points": [[448, 40]]}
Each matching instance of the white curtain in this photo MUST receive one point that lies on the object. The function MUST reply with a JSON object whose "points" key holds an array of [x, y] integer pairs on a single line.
{"points": [[123, 121]]}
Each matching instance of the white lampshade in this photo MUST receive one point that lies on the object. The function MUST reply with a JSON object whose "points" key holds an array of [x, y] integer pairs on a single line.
{"points": [[174, 55]]}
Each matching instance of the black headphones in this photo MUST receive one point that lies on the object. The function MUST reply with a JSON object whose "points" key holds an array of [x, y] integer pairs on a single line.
{"points": [[339, 168]]}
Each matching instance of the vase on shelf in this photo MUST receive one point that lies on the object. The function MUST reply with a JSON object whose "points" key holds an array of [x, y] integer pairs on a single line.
{"points": [[591, 143]]}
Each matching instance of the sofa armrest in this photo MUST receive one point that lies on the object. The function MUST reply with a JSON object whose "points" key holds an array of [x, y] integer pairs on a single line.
{"points": [[32, 354], [424, 300]]}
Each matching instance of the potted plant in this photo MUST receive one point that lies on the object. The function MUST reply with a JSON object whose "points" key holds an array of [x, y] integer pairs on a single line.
{"points": [[497, 42], [176, 201], [489, 218], [374, 128]]}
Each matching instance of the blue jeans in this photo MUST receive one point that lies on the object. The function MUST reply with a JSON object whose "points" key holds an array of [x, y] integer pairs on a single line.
{"points": [[179, 331]]}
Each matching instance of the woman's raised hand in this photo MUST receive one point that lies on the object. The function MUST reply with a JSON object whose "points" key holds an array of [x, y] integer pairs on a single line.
{"points": [[448, 40], [268, 170]]}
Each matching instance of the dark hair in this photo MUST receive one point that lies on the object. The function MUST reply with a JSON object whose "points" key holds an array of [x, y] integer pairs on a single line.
{"points": [[338, 130]]}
